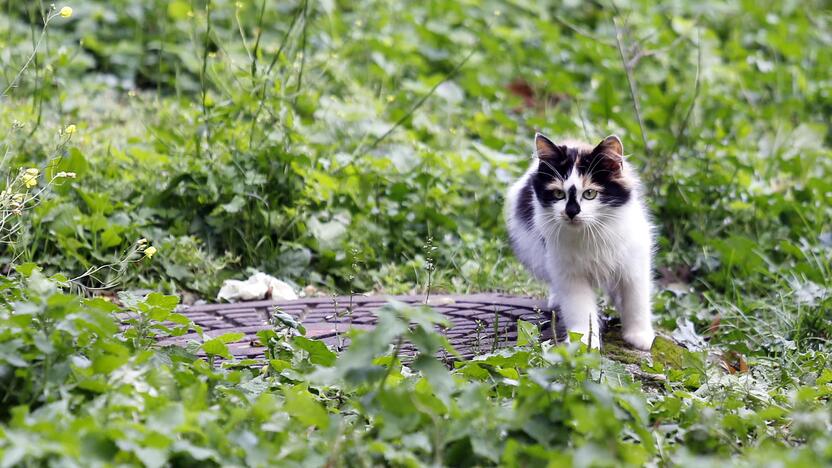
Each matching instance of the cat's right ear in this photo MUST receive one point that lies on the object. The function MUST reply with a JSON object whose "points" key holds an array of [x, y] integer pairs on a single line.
{"points": [[546, 149]]}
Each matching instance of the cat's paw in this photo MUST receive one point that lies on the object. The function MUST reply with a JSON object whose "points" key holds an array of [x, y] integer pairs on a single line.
{"points": [[640, 339]]}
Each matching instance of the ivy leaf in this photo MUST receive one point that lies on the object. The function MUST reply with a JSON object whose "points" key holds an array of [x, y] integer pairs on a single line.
{"points": [[304, 407], [318, 351], [216, 347], [161, 300], [527, 333], [437, 374], [231, 337]]}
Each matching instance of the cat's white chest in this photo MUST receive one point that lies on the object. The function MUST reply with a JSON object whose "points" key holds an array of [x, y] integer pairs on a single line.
{"points": [[593, 258]]}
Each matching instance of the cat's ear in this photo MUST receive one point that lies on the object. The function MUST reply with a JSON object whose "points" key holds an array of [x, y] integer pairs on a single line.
{"points": [[611, 151], [610, 145], [546, 149]]}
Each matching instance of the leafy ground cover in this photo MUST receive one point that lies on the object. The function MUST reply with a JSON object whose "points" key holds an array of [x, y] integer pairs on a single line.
{"points": [[365, 147]]}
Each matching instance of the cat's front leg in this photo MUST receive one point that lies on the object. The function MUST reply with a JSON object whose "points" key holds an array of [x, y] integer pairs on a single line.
{"points": [[634, 304], [578, 309]]}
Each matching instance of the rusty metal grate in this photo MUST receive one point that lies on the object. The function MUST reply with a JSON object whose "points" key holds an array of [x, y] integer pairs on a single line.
{"points": [[480, 322]]}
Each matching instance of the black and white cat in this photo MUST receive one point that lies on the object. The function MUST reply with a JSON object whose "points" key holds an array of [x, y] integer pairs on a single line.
{"points": [[577, 220]]}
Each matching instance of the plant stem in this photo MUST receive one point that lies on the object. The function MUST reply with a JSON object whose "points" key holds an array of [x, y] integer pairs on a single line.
{"points": [[658, 174], [204, 71], [422, 100], [396, 352], [628, 71], [13, 83]]}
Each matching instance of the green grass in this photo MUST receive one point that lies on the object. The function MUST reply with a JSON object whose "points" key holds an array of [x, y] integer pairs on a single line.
{"points": [[366, 147]]}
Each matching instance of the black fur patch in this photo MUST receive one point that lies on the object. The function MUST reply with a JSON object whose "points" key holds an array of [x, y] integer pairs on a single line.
{"points": [[555, 165], [558, 162], [572, 206], [604, 170], [524, 209]]}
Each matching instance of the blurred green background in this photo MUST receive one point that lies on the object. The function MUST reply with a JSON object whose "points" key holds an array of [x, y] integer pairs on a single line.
{"points": [[328, 141]]}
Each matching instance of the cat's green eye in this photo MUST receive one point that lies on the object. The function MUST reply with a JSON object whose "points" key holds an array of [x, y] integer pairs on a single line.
{"points": [[590, 194], [559, 194]]}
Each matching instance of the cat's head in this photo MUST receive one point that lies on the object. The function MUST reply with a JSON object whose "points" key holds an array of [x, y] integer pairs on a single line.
{"points": [[579, 184]]}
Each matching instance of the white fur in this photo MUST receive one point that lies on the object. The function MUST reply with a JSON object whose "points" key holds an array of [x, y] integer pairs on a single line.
{"points": [[610, 249]]}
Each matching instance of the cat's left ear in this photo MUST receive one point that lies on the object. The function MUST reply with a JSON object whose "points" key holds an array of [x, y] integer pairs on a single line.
{"points": [[610, 145], [612, 151]]}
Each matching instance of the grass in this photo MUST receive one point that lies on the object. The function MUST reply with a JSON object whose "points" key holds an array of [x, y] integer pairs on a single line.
{"points": [[366, 147]]}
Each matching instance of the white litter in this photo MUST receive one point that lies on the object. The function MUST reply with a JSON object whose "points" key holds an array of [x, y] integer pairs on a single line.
{"points": [[258, 286]]}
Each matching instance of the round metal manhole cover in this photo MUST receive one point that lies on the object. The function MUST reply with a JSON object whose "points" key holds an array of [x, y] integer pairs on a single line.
{"points": [[480, 323]]}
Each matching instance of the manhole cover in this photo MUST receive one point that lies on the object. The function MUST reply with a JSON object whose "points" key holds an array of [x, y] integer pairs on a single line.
{"points": [[480, 323]]}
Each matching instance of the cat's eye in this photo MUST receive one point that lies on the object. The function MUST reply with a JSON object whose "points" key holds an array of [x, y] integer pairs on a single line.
{"points": [[590, 194], [559, 194]]}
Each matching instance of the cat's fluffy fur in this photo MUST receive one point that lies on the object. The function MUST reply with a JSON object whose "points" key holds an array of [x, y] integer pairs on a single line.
{"points": [[577, 220]]}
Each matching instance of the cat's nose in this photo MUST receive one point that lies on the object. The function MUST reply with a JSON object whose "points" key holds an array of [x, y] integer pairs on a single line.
{"points": [[572, 210]]}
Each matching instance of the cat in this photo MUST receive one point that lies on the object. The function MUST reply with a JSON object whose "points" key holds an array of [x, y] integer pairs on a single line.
{"points": [[577, 220]]}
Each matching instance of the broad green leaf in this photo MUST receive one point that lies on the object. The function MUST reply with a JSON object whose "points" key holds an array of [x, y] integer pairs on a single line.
{"points": [[527, 333], [304, 407], [318, 351], [231, 337], [161, 300], [216, 347], [436, 373], [26, 269]]}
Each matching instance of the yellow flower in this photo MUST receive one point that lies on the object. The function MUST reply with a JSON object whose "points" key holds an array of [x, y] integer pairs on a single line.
{"points": [[66, 12], [30, 177], [150, 252], [69, 130]]}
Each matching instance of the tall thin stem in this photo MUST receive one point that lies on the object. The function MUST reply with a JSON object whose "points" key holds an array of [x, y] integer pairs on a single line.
{"points": [[628, 71], [13, 83]]}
